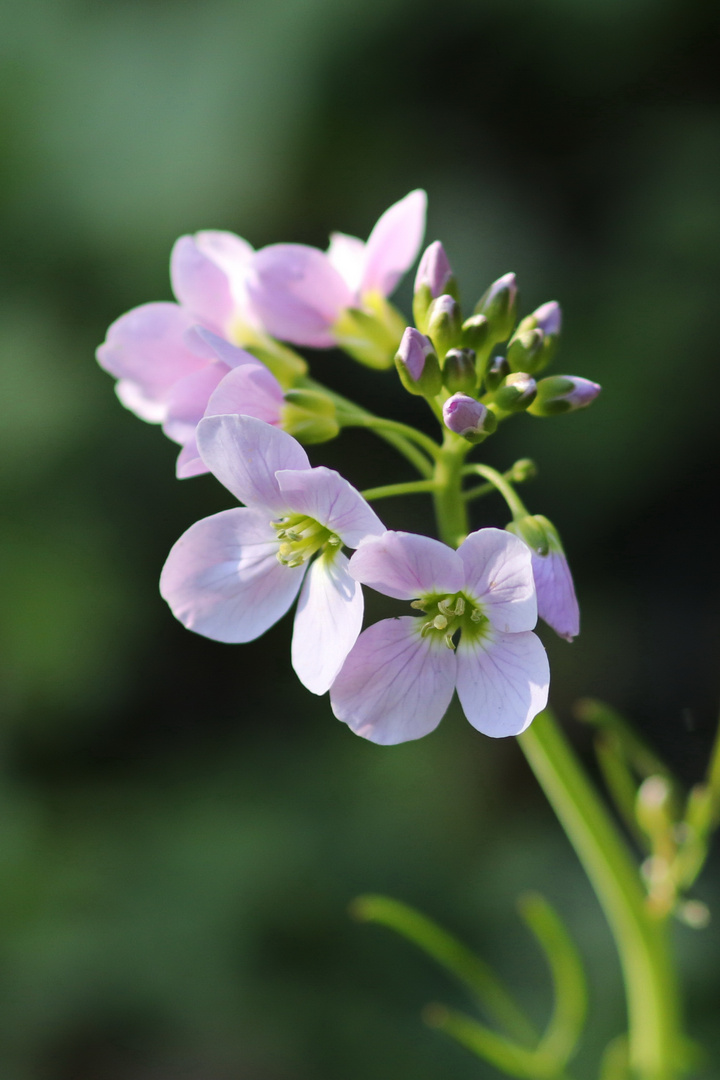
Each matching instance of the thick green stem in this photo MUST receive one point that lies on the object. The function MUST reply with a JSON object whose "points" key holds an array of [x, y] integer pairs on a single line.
{"points": [[450, 508], [653, 1011]]}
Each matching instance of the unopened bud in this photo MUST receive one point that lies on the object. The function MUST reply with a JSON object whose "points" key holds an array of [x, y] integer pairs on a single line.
{"points": [[523, 469], [516, 392], [496, 373], [458, 374], [434, 278], [653, 806], [499, 305], [443, 323], [563, 393], [417, 364], [525, 350], [468, 417], [547, 319], [310, 416]]}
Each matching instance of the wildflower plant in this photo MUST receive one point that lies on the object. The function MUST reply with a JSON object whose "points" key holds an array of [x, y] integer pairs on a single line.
{"points": [[217, 369]]}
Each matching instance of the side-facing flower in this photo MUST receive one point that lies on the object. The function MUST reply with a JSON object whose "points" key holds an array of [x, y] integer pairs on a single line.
{"points": [[231, 576], [479, 609], [300, 292], [557, 602]]}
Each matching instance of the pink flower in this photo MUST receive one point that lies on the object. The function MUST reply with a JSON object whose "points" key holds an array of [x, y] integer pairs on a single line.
{"points": [[557, 602], [300, 292], [474, 635], [166, 370], [231, 576]]}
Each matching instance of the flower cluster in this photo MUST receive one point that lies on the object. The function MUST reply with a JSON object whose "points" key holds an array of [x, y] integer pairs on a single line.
{"points": [[216, 370]]}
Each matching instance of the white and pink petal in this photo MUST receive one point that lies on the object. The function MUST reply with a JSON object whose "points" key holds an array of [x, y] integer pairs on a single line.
{"points": [[395, 684], [223, 580], [502, 681], [557, 602], [327, 621], [498, 574], [407, 565], [394, 243], [249, 390], [324, 495]]}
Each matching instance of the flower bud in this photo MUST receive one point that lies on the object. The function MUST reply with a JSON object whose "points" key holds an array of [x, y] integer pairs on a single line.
{"points": [[443, 323], [417, 364], [499, 305], [563, 393], [309, 416], [533, 530], [468, 417], [498, 370], [434, 278], [516, 392], [524, 469], [547, 319], [458, 374], [525, 350]]}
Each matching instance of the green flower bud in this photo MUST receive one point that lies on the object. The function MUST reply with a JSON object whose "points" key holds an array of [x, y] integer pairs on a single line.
{"points": [[418, 365], [516, 392], [443, 324], [496, 373], [548, 319], [499, 305], [310, 416], [458, 374], [563, 393], [525, 350]]}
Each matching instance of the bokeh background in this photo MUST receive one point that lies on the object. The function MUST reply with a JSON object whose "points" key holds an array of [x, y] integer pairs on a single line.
{"points": [[182, 826]]}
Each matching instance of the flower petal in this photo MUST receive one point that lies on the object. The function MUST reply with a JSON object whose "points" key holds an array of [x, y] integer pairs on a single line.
{"points": [[557, 603], [326, 496], [498, 574], [297, 293], [327, 622], [221, 349], [222, 578], [189, 463], [245, 453], [394, 243], [395, 685], [406, 566], [250, 390], [502, 681], [201, 286], [188, 399], [347, 254], [146, 350]]}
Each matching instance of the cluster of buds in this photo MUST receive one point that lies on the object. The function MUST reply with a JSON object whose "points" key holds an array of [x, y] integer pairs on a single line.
{"points": [[451, 361]]}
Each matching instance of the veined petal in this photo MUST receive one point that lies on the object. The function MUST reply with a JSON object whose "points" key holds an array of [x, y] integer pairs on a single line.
{"points": [[187, 401], [200, 285], [502, 681], [347, 254], [407, 565], [146, 350], [326, 496], [557, 603], [189, 463], [222, 578], [232, 255], [395, 685], [498, 574], [245, 453], [394, 243], [297, 293], [250, 390], [327, 622]]}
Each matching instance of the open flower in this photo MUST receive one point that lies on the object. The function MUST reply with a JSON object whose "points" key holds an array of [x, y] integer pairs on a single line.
{"points": [[231, 576], [300, 292], [474, 634]]}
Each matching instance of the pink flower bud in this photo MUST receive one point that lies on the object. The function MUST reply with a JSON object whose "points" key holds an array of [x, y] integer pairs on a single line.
{"points": [[435, 271], [468, 417]]}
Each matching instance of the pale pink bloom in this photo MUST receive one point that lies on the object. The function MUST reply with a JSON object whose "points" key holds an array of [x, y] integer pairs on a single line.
{"points": [[166, 370], [474, 636], [231, 576], [300, 292], [557, 602]]}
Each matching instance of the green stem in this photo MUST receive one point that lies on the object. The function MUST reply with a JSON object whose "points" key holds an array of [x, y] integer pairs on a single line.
{"points": [[642, 941], [500, 483], [380, 424], [412, 487], [450, 509]]}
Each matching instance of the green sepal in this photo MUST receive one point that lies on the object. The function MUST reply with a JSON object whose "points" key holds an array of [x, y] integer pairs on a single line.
{"points": [[516, 392], [310, 416], [370, 334], [525, 349], [444, 324], [459, 375]]}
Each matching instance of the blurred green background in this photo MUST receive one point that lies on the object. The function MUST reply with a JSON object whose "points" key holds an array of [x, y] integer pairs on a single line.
{"points": [[182, 826]]}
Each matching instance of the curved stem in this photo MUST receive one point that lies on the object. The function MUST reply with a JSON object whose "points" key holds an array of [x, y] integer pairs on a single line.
{"points": [[500, 483], [642, 941], [380, 424], [412, 487]]}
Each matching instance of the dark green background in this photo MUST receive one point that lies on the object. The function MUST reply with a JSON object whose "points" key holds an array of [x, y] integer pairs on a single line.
{"points": [[181, 825]]}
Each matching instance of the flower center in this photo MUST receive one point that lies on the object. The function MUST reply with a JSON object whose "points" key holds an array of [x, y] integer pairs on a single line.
{"points": [[301, 537], [450, 615]]}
